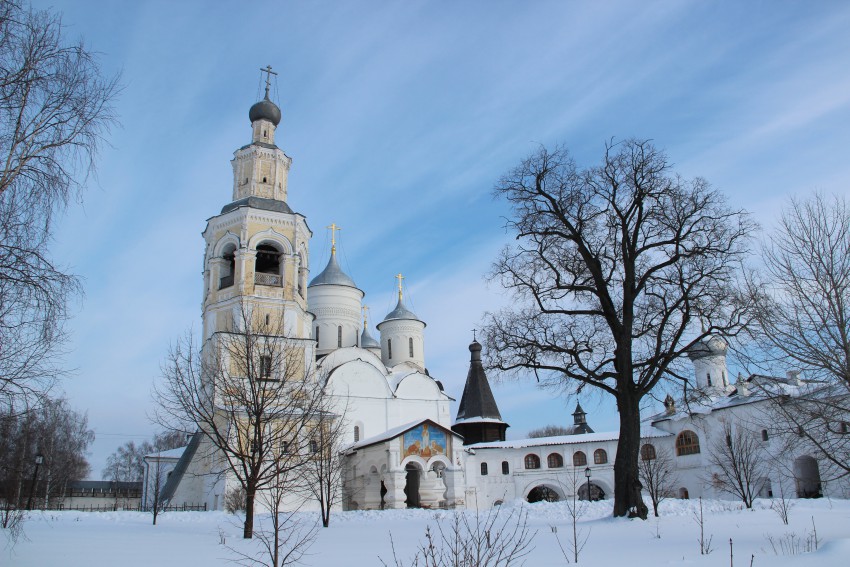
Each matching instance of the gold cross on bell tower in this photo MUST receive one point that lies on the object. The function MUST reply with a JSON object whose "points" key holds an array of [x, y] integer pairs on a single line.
{"points": [[334, 229], [365, 310], [399, 277], [268, 71]]}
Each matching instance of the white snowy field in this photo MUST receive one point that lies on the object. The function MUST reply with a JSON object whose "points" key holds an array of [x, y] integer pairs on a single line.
{"points": [[127, 539]]}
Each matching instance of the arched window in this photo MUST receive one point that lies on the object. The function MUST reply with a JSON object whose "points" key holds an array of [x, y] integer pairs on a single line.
{"points": [[356, 433], [483, 469], [314, 446], [764, 435], [647, 452], [687, 443], [683, 493], [554, 461], [267, 266], [339, 337], [506, 468], [532, 462], [229, 268], [579, 459], [317, 334], [600, 457], [708, 377], [410, 346], [390, 349]]}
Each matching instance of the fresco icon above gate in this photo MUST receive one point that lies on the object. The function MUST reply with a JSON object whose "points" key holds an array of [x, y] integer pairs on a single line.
{"points": [[424, 441]]}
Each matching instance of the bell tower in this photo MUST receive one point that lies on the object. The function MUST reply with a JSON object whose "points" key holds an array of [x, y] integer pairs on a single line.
{"points": [[256, 255]]}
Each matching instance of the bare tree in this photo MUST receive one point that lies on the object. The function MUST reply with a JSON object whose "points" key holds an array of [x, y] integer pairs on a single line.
{"points": [[614, 269], [549, 431], [657, 473], [55, 108], [323, 470], [288, 535], [576, 509], [252, 392], [739, 464], [155, 478], [156, 471], [803, 317], [496, 538]]}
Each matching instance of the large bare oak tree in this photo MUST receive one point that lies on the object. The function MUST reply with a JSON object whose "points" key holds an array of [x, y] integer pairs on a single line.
{"points": [[618, 269]]}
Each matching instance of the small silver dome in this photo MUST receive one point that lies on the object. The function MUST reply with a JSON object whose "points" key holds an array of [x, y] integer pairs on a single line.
{"points": [[709, 346], [367, 340], [333, 275], [401, 312]]}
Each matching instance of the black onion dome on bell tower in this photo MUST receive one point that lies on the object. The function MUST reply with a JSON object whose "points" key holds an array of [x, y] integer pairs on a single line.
{"points": [[478, 418], [265, 110]]}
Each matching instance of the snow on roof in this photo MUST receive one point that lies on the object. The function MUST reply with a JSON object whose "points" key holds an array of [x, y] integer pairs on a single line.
{"points": [[645, 433], [759, 389], [478, 420], [170, 454], [394, 432]]}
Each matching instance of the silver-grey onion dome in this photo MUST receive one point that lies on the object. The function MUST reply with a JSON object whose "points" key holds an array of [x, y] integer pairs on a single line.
{"points": [[401, 312], [709, 346], [333, 275], [265, 110], [367, 340]]}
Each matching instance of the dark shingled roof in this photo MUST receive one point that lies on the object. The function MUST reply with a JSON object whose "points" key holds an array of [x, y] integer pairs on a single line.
{"points": [[477, 400], [258, 203]]}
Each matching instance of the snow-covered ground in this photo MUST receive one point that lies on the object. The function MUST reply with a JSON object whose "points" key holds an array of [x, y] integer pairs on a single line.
{"points": [[127, 539]]}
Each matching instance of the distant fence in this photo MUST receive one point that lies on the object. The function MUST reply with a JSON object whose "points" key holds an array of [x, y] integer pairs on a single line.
{"points": [[116, 508]]}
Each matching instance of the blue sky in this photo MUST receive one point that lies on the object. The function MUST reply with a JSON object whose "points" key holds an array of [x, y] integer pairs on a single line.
{"points": [[400, 117]]}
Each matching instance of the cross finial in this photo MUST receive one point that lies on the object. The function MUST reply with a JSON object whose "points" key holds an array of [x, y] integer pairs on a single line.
{"points": [[334, 228], [473, 335], [365, 310], [268, 71], [399, 277]]}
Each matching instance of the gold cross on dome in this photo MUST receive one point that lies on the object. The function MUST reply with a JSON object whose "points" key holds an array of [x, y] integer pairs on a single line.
{"points": [[268, 71], [399, 277], [334, 228], [365, 310]]}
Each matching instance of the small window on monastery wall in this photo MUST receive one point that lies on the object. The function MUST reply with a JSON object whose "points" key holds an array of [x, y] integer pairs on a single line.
{"points": [[483, 469], [687, 443], [390, 349], [532, 462], [579, 459], [268, 319], [339, 337], [410, 345], [600, 457], [764, 435], [506, 468], [317, 334], [554, 461], [356, 433], [708, 378]]}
